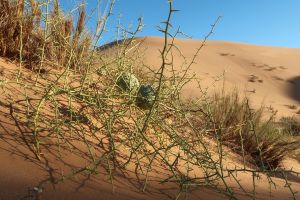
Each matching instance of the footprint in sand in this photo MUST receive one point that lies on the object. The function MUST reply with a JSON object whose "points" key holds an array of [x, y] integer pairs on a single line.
{"points": [[253, 78], [270, 69], [278, 78]]}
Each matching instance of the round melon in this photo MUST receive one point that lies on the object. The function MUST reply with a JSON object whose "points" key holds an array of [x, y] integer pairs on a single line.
{"points": [[128, 82], [145, 97]]}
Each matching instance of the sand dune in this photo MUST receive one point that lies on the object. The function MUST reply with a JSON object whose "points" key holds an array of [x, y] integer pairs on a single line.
{"points": [[266, 74]]}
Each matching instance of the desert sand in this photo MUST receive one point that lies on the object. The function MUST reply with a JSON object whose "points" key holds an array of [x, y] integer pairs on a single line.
{"points": [[268, 75]]}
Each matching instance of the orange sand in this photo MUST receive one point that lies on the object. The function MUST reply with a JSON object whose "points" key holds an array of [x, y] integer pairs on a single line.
{"points": [[271, 73]]}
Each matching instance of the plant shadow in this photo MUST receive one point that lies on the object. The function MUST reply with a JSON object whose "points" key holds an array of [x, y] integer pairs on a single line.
{"points": [[294, 89]]}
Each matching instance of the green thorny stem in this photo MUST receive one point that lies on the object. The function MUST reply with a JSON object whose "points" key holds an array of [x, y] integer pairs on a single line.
{"points": [[97, 38], [163, 54], [47, 7]]}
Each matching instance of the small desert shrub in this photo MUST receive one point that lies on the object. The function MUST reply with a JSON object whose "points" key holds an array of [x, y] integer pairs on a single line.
{"points": [[245, 130], [291, 125]]}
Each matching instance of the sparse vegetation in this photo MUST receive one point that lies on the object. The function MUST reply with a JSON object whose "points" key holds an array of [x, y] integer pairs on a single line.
{"points": [[33, 37], [86, 109], [291, 125], [244, 130]]}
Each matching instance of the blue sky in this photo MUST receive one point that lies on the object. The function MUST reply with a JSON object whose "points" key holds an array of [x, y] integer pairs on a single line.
{"points": [[264, 22]]}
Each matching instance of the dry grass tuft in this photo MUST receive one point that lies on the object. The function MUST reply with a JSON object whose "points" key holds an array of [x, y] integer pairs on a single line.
{"points": [[291, 125], [230, 119], [24, 37]]}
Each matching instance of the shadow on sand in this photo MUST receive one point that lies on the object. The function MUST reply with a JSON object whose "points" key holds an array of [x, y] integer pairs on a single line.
{"points": [[294, 91], [58, 166]]}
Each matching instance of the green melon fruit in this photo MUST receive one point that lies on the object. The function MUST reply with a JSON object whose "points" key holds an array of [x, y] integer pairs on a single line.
{"points": [[128, 82], [145, 97]]}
